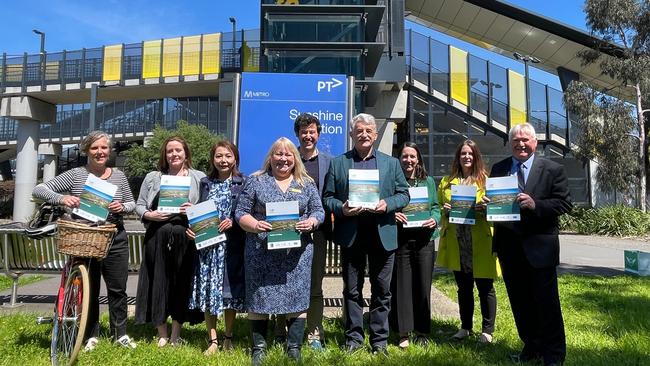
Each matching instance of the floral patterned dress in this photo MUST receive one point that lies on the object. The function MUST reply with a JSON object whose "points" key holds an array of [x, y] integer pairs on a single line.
{"points": [[277, 281], [208, 282]]}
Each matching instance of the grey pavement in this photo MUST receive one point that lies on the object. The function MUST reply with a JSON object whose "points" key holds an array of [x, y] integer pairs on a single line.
{"points": [[580, 254]]}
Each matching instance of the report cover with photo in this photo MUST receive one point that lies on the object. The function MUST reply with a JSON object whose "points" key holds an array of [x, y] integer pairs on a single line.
{"points": [[363, 188], [503, 205], [174, 191], [204, 221], [283, 217], [95, 198], [463, 200], [417, 211]]}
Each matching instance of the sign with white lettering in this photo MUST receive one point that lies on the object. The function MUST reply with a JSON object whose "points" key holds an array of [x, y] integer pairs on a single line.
{"points": [[270, 103]]}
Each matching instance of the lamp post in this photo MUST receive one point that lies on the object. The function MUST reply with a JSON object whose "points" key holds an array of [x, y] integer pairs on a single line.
{"points": [[234, 38], [526, 59], [42, 58]]}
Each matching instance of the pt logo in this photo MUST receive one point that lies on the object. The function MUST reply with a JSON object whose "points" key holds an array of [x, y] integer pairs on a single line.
{"points": [[328, 84]]}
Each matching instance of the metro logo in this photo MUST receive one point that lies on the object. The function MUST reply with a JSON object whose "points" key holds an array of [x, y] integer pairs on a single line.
{"points": [[328, 84]]}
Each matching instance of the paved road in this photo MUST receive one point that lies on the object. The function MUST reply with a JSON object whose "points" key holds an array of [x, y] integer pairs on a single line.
{"points": [[579, 254]]}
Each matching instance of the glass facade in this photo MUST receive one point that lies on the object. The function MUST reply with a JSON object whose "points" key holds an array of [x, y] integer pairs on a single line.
{"points": [[134, 117], [439, 130], [314, 61], [314, 28]]}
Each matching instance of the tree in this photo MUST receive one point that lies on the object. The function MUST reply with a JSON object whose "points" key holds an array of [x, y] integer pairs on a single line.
{"points": [[140, 160], [624, 28]]}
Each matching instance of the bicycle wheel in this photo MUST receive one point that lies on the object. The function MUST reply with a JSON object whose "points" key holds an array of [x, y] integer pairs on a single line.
{"points": [[71, 316]]}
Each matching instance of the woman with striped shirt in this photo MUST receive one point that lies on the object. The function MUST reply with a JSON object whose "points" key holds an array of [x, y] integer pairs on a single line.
{"points": [[65, 190]]}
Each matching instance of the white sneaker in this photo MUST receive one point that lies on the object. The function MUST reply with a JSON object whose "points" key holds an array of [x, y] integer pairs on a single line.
{"points": [[460, 335], [91, 344], [485, 338], [127, 342]]}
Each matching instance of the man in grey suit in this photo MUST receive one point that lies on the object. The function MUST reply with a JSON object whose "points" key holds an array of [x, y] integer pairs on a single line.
{"points": [[529, 250], [307, 129], [366, 234]]}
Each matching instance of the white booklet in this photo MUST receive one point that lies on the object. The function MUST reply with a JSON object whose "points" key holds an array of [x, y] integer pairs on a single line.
{"points": [[502, 192], [417, 211], [95, 198], [174, 191], [463, 199], [204, 221], [283, 217], [363, 188]]}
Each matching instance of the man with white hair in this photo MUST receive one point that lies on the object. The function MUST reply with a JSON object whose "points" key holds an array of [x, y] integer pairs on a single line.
{"points": [[529, 250], [366, 234]]}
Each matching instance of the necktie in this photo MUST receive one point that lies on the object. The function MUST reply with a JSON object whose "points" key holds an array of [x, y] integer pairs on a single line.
{"points": [[520, 176]]}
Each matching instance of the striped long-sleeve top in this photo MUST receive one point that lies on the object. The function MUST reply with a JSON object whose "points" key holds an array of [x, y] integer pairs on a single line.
{"points": [[72, 182]]}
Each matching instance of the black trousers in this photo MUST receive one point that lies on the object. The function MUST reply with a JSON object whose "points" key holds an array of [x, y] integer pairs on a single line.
{"points": [[487, 298], [535, 303], [368, 247], [315, 311], [115, 270], [411, 287]]}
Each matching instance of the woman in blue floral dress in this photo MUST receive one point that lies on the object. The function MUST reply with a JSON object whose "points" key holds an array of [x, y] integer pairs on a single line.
{"points": [[218, 283], [278, 280]]}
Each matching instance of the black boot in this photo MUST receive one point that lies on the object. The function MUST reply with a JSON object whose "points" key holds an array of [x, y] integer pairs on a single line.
{"points": [[258, 340], [295, 335]]}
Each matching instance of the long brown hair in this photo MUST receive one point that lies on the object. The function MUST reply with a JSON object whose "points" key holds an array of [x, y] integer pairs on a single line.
{"points": [[420, 171], [163, 165], [213, 173], [479, 173]]}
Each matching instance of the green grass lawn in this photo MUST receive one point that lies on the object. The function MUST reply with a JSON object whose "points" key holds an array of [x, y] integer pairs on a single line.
{"points": [[607, 323], [5, 282]]}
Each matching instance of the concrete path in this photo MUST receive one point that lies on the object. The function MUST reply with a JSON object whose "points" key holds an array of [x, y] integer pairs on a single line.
{"points": [[579, 254]]}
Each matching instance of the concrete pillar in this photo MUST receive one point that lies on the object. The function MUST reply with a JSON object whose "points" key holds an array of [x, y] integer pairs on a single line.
{"points": [[29, 112], [51, 153], [26, 169]]}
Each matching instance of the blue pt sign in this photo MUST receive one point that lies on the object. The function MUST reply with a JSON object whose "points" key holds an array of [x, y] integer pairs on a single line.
{"points": [[270, 102]]}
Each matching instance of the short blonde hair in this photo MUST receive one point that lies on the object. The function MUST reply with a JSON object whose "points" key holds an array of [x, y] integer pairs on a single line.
{"points": [[90, 139], [299, 171]]}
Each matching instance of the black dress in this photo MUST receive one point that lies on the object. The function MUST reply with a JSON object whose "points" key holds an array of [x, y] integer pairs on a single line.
{"points": [[165, 276]]}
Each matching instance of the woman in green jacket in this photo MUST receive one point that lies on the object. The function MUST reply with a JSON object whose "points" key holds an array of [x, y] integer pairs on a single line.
{"points": [[411, 282], [467, 249]]}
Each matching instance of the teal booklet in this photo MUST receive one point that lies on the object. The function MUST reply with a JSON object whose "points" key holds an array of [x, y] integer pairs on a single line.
{"points": [[174, 191], [363, 188], [463, 200], [417, 211], [95, 198], [283, 217], [503, 205], [204, 221]]}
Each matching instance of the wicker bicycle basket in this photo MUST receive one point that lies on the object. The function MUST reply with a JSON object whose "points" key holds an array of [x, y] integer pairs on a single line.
{"points": [[81, 240]]}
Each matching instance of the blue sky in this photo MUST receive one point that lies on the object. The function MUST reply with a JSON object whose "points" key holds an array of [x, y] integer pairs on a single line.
{"points": [[74, 24]]}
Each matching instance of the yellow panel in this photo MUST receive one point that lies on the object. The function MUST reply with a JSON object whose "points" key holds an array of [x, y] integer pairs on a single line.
{"points": [[250, 60], [151, 59], [287, 2], [458, 72], [211, 58], [112, 63], [14, 73], [171, 57], [517, 98], [52, 70], [191, 55]]}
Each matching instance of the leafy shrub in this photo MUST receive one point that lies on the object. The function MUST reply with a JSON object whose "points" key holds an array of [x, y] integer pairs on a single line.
{"points": [[617, 220], [140, 160]]}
